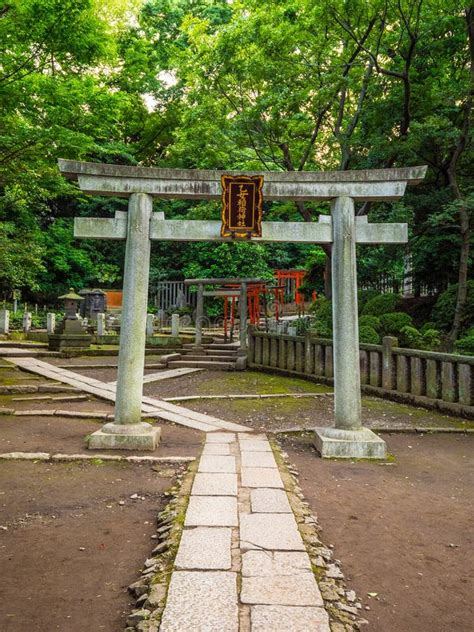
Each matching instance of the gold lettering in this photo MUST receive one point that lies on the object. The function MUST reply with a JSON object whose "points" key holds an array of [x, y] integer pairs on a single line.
{"points": [[241, 205]]}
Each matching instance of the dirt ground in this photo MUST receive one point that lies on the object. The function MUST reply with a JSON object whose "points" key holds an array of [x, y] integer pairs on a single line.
{"points": [[67, 436], [402, 530], [70, 550]]}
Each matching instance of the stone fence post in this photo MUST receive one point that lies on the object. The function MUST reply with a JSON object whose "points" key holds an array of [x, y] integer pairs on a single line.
{"points": [[4, 321], [150, 324], [100, 324], [308, 355], [26, 322], [251, 344], [175, 325], [388, 362], [50, 322]]}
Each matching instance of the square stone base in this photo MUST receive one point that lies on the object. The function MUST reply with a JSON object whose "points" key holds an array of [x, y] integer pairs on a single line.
{"points": [[349, 444], [140, 436]]}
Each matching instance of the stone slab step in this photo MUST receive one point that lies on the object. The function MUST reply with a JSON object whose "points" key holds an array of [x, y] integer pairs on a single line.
{"points": [[203, 364], [209, 358]]}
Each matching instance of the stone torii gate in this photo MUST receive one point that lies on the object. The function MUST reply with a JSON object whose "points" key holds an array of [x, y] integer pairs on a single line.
{"points": [[342, 229]]}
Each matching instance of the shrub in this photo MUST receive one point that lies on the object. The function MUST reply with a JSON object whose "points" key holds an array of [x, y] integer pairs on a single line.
{"points": [[427, 326], [322, 310], [363, 296], [393, 323], [381, 304], [411, 337], [320, 329], [368, 335], [465, 345], [370, 321], [431, 338], [443, 311]]}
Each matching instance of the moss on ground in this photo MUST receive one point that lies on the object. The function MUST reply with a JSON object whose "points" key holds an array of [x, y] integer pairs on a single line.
{"points": [[254, 382]]}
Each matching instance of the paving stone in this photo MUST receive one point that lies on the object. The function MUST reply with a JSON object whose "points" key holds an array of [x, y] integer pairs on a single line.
{"points": [[267, 500], [216, 449], [289, 619], [258, 459], [277, 532], [283, 590], [269, 563], [255, 446], [217, 464], [205, 548], [202, 602], [212, 511], [214, 484], [220, 437], [259, 436], [261, 477]]}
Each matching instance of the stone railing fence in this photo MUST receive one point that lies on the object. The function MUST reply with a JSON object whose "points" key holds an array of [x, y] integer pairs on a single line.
{"points": [[436, 380]]}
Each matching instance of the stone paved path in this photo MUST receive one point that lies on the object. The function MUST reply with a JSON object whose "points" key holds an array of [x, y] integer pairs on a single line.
{"points": [[165, 375], [241, 564], [152, 407]]}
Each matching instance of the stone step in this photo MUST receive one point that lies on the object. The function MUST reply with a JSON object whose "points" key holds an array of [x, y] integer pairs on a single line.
{"points": [[166, 359], [203, 364], [209, 358]]}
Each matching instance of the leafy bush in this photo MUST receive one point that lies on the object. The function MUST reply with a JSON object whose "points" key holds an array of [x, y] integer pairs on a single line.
{"points": [[381, 304], [364, 296], [426, 327], [465, 345], [393, 323], [302, 326], [431, 338], [411, 337], [443, 311], [370, 321], [16, 321], [368, 335], [322, 310], [320, 329]]}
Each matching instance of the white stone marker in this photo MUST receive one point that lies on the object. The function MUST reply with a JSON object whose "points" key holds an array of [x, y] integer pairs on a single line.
{"points": [[26, 322], [349, 438], [127, 430], [175, 325], [150, 324], [101, 324], [50, 322], [4, 321]]}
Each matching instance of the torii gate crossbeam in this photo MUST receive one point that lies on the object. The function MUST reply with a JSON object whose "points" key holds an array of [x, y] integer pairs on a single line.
{"points": [[342, 229]]}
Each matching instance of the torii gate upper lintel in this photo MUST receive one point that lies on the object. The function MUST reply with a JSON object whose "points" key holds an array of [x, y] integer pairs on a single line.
{"points": [[342, 229]]}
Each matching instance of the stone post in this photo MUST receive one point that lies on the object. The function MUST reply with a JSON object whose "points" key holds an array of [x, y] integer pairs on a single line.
{"points": [[26, 322], [50, 322], [150, 324], [4, 321], [199, 315], [100, 324], [175, 325], [127, 431], [161, 318], [348, 439], [243, 318], [388, 362]]}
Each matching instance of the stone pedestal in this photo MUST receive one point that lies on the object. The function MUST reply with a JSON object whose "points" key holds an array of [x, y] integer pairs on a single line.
{"points": [[71, 337], [349, 444], [136, 436], [4, 321]]}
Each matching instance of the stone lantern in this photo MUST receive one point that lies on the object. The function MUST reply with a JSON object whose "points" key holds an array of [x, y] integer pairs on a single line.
{"points": [[71, 335]]}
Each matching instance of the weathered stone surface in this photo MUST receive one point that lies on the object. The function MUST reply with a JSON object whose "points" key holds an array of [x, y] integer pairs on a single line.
{"points": [[349, 444], [119, 437], [289, 618], [216, 449], [287, 590], [211, 511], [201, 601], [215, 484], [255, 446], [205, 548], [261, 477], [220, 437], [217, 464], [271, 563], [258, 459], [267, 500], [277, 532]]}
